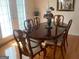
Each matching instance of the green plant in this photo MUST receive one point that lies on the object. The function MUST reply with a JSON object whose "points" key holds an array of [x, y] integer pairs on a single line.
{"points": [[36, 13]]}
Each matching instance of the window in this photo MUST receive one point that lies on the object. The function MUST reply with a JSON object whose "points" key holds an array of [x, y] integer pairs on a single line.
{"points": [[5, 18], [21, 12]]}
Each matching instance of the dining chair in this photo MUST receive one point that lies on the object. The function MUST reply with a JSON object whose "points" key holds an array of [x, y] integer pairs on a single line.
{"points": [[31, 25], [26, 46], [58, 19], [60, 40], [57, 42]]}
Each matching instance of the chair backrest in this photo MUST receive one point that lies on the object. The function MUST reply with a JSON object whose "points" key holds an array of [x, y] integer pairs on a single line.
{"points": [[58, 19], [20, 37], [28, 24], [69, 25], [67, 28]]}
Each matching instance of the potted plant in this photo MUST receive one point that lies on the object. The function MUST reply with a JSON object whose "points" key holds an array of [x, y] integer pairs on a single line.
{"points": [[36, 13]]}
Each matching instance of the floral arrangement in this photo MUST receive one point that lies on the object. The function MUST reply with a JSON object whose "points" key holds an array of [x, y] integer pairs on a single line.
{"points": [[49, 16]]}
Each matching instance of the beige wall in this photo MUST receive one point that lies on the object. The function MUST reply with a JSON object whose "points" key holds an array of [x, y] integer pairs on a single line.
{"points": [[74, 15], [30, 6]]}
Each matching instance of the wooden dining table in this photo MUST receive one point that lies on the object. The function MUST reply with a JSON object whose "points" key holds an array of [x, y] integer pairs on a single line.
{"points": [[43, 33]]}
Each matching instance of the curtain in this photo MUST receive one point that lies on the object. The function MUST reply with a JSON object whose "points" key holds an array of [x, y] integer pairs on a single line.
{"points": [[21, 12], [5, 18]]}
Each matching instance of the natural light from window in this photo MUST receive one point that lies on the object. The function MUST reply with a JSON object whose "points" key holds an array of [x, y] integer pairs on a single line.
{"points": [[5, 18], [21, 12]]}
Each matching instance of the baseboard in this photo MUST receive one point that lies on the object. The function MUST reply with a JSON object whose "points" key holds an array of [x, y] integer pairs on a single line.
{"points": [[73, 36], [9, 39], [4, 41]]}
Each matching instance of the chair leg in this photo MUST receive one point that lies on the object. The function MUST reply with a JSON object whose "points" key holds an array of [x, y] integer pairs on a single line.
{"points": [[64, 46], [55, 47], [44, 53], [20, 56], [39, 55], [31, 58], [66, 42], [62, 52]]}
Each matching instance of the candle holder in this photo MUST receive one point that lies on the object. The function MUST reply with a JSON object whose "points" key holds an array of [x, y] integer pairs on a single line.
{"points": [[49, 17], [48, 33]]}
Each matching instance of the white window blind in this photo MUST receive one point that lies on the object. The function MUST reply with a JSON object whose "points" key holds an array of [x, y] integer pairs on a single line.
{"points": [[5, 18], [21, 12]]}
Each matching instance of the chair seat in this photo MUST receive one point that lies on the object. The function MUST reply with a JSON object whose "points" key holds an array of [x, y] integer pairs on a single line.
{"points": [[34, 45], [52, 42], [37, 41], [36, 50]]}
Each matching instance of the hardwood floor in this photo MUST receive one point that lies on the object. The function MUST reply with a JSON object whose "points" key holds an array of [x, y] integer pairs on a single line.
{"points": [[72, 50]]}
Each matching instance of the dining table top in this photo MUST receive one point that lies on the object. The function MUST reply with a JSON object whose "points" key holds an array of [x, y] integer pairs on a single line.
{"points": [[43, 33]]}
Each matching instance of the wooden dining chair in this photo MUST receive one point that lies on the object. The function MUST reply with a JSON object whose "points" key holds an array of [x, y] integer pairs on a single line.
{"points": [[58, 19], [60, 40], [31, 25], [26, 46], [57, 42]]}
